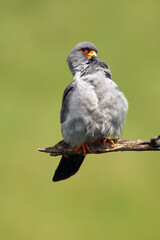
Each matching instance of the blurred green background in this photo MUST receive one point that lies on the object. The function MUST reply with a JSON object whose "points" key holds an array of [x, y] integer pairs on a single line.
{"points": [[114, 196]]}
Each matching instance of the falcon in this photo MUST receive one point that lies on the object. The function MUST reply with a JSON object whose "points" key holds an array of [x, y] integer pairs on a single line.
{"points": [[93, 107]]}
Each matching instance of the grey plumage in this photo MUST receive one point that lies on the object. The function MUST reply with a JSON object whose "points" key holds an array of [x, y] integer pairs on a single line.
{"points": [[93, 107], [76, 60]]}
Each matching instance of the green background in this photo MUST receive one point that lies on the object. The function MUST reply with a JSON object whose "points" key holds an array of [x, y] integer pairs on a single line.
{"points": [[114, 196]]}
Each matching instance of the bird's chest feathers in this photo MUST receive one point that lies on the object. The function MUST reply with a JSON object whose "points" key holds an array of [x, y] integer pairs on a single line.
{"points": [[84, 96]]}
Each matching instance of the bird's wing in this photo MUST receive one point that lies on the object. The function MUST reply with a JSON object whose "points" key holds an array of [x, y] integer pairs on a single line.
{"points": [[65, 101], [105, 68]]}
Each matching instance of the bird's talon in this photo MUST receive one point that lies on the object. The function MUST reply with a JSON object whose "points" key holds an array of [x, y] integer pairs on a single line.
{"points": [[110, 141], [84, 147], [87, 147], [77, 148], [103, 141]]}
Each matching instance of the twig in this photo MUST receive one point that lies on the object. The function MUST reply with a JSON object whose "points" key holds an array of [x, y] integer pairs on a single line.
{"points": [[62, 148]]}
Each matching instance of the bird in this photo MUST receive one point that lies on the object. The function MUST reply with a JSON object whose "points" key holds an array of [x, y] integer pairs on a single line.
{"points": [[93, 107]]}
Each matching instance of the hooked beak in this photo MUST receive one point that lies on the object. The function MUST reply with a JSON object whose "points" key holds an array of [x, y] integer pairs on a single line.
{"points": [[91, 54]]}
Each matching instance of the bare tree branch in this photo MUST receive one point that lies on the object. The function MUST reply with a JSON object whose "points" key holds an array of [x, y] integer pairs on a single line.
{"points": [[62, 148]]}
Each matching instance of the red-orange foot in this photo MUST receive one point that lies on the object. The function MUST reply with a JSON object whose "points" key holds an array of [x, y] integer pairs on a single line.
{"points": [[84, 147], [110, 141], [104, 140], [101, 140]]}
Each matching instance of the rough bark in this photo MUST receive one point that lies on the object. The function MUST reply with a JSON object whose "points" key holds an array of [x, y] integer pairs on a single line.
{"points": [[62, 148]]}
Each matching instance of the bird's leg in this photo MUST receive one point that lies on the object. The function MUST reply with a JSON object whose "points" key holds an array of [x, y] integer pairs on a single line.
{"points": [[84, 147], [103, 140], [110, 141]]}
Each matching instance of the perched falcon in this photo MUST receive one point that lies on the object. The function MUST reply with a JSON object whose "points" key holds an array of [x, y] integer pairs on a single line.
{"points": [[93, 107]]}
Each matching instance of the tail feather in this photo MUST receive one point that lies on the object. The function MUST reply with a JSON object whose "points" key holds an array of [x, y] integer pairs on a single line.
{"points": [[68, 166]]}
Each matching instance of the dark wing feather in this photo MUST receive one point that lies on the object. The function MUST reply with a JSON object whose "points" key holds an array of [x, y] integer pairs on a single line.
{"points": [[68, 166], [65, 102]]}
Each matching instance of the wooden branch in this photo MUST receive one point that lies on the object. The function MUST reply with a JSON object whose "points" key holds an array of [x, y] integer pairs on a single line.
{"points": [[62, 148]]}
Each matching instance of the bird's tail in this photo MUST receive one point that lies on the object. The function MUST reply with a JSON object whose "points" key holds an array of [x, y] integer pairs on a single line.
{"points": [[68, 166]]}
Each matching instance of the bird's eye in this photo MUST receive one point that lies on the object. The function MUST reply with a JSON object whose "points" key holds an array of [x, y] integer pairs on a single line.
{"points": [[84, 50]]}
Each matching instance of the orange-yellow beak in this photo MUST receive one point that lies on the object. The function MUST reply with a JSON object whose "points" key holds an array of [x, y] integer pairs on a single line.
{"points": [[91, 54]]}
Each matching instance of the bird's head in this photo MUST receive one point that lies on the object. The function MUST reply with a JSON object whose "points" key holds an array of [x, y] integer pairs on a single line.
{"points": [[80, 56]]}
